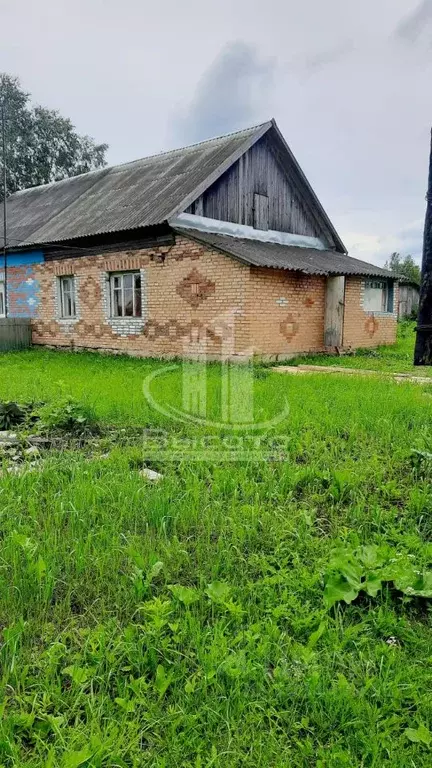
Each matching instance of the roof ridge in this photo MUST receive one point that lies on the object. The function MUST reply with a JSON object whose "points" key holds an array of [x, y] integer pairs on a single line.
{"points": [[104, 169], [195, 144], [107, 168]]}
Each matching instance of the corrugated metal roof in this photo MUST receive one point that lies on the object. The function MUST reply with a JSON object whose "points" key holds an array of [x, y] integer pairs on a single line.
{"points": [[307, 260], [137, 194], [29, 209]]}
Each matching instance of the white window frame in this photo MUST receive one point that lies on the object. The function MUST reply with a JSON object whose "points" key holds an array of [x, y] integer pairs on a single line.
{"points": [[376, 296], [119, 276], [2, 299], [65, 295]]}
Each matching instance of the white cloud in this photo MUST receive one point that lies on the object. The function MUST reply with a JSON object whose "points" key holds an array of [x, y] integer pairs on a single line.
{"points": [[377, 248]]}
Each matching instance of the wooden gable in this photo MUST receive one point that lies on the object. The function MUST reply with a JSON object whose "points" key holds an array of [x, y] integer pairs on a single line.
{"points": [[263, 189]]}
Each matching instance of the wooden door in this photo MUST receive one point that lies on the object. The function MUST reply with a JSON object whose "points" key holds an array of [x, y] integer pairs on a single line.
{"points": [[334, 311]]}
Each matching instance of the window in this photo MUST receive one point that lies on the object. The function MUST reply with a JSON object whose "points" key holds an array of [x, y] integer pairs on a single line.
{"points": [[2, 299], [67, 297], [378, 296], [126, 294]]}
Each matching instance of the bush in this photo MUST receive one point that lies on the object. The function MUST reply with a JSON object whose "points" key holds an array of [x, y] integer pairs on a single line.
{"points": [[68, 415], [12, 414]]}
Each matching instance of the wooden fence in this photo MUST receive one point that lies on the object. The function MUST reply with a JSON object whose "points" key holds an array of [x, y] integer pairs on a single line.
{"points": [[15, 333]]}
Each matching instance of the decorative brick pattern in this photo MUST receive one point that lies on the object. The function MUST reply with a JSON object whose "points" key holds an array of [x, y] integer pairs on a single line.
{"points": [[168, 322], [89, 291], [278, 328], [366, 329], [289, 327], [371, 326], [195, 288], [272, 313]]}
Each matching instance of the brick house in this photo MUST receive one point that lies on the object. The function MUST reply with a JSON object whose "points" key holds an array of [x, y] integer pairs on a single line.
{"points": [[223, 243]]}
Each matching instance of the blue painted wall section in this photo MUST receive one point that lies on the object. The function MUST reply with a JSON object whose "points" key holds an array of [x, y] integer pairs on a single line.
{"points": [[23, 290]]}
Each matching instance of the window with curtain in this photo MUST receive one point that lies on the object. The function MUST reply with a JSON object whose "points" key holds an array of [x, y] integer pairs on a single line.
{"points": [[125, 294], [67, 297]]}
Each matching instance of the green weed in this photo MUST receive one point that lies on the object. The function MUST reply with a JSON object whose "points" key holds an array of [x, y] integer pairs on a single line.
{"points": [[392, 358], [182, 623], [67, 415]]}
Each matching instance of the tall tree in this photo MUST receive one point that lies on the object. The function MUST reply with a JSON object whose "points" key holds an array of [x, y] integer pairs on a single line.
{"points": [[41, 145], [404, 265]]}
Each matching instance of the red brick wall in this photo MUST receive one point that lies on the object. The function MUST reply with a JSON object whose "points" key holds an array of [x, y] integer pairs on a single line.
{"points": [[192, 291], [366, 329], [286, 312], [173, 311]]}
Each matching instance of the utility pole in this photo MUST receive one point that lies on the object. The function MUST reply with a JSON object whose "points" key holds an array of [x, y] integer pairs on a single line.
{"points": [[3, 115], [423, 347]]}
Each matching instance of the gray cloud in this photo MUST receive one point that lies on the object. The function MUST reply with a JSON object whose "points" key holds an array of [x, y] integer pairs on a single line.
{"points": [[416, 24], [318, 61], [231, 94], [357, 124], [411, 240]]}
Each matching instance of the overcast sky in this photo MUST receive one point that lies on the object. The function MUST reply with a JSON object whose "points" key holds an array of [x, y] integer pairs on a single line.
{"points": [[349, 84]]}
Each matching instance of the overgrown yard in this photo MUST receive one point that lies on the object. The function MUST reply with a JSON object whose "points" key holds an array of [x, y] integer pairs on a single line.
{"points": [[203, 620]]}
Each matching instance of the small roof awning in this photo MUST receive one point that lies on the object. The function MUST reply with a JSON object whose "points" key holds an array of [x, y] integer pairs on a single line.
{"points": [[310, 261]]}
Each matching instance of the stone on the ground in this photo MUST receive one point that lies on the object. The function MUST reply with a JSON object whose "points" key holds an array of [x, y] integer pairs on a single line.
{"points": [[150, 474], [8, 438], [32, 451], [15, 469], [35, 440]]}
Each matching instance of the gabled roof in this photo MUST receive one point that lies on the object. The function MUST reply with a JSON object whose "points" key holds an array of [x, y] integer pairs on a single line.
{"points": [[310, 261], [142, 193]]}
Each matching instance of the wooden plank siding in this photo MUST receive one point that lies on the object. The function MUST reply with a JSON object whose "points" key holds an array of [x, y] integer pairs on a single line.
{"points": [[334, 311], [408, 300], [15, 333], [261, 212], [260, 172]]}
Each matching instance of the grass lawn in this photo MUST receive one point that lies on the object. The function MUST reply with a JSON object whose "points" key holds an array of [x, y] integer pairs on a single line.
{"points": [[395, 358], [183, 624]]}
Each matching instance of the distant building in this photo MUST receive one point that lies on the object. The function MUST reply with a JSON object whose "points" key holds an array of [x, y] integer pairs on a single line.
{"points": [[409, 292], [141, 257]]}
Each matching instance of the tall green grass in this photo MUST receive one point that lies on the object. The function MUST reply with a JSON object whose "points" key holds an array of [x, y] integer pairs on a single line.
{"points": [[183, 623], [391, 358]]}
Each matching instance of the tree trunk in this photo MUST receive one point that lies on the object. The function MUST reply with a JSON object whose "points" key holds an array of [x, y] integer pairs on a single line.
{"points": [[423, 347]]}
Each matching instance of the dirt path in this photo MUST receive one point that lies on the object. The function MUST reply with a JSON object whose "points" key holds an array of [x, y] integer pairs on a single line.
{"points": [[399, 377]]}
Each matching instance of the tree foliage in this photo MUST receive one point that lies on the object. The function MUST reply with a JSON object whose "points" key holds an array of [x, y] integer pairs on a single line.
{"points": [[41, 145], [404, 265]]}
